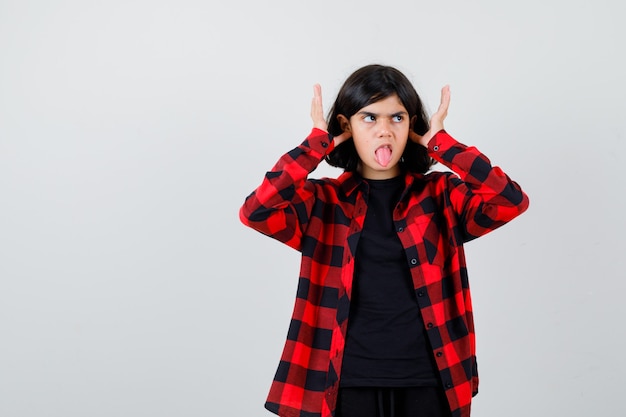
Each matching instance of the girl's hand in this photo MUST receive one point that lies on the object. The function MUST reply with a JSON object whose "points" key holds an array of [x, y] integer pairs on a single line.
{"points": [[436, 120], [317, 115]]}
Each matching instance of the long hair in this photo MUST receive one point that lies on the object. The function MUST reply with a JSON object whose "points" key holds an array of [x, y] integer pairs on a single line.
{"points": [[368, 85]]}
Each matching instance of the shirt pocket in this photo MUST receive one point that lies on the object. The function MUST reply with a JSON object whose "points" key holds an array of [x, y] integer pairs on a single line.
{"points": [[431, 235]]}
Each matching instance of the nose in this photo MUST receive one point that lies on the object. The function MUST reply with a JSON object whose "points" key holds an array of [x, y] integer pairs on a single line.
{"points": [[384, 128]]}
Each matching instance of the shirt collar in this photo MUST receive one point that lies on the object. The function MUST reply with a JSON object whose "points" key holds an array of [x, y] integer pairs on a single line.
{"points": [[350, 181]]}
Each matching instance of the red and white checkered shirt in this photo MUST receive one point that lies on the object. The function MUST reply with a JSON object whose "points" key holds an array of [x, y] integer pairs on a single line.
{"points": [[323, 219]]}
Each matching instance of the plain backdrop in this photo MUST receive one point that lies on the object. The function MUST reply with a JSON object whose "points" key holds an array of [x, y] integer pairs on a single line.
{"points": [[131, 132]]}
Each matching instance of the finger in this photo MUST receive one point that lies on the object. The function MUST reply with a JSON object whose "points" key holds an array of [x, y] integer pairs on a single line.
{"points": [[317, 110], [317, 91], [445, 101], [342, 137], [316, 102], [317, 95]]}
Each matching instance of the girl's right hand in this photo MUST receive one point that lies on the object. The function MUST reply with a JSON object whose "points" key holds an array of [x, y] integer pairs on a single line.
{"points": [[317, 115]]}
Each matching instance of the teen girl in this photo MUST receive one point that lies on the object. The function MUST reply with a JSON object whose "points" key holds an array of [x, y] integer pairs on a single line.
{"points": [[382, 324]]}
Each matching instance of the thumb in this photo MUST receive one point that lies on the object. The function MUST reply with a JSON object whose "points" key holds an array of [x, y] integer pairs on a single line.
{"points": [[414, 136], [345, 135]]}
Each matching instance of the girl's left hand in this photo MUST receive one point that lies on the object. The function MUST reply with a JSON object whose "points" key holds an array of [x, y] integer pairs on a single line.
{"points": [[436, 120]]}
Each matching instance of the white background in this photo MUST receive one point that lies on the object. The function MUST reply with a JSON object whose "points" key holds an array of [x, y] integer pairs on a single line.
{"points": [[131, 132]]}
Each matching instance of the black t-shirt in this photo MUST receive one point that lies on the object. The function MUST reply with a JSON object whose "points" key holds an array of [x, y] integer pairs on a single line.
{"points": [[386, 344]]}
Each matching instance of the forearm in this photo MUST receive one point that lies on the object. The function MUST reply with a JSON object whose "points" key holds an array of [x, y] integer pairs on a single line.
{"points": [[280, 205], [486, 197]]}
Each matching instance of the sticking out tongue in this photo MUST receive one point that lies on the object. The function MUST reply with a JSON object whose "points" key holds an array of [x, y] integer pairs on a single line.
{"points": [[383, 155]]}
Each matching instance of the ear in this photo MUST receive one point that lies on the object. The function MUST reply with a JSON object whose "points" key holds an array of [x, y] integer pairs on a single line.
{"points": [[344, 123], [412, 123]]}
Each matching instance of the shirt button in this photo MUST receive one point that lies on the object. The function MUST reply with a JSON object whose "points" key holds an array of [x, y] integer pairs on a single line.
{"points": [[413, 261], [435, 148], [448, 385], [324, 145], [400, 229], [420, 294], [439, 354], [429, 325]]}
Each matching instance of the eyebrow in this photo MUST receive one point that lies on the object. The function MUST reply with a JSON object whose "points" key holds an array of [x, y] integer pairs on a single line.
{"points": [[369, 113]]}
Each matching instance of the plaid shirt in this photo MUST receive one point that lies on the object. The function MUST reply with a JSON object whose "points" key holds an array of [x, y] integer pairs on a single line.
{"points": [[323, 219]]}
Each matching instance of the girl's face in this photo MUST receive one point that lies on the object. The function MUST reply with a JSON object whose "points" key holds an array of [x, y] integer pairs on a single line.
{"points": [[380, 132]]}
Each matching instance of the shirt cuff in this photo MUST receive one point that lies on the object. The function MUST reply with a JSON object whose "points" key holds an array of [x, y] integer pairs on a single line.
{"points": [[321, 141], [441, 142]]}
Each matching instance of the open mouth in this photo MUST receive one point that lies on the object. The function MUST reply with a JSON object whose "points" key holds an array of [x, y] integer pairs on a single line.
{"points": [[383, 155]]}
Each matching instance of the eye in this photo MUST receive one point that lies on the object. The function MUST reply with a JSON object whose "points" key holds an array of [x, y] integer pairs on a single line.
{"points": [[369, 118], [397, 118]]}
